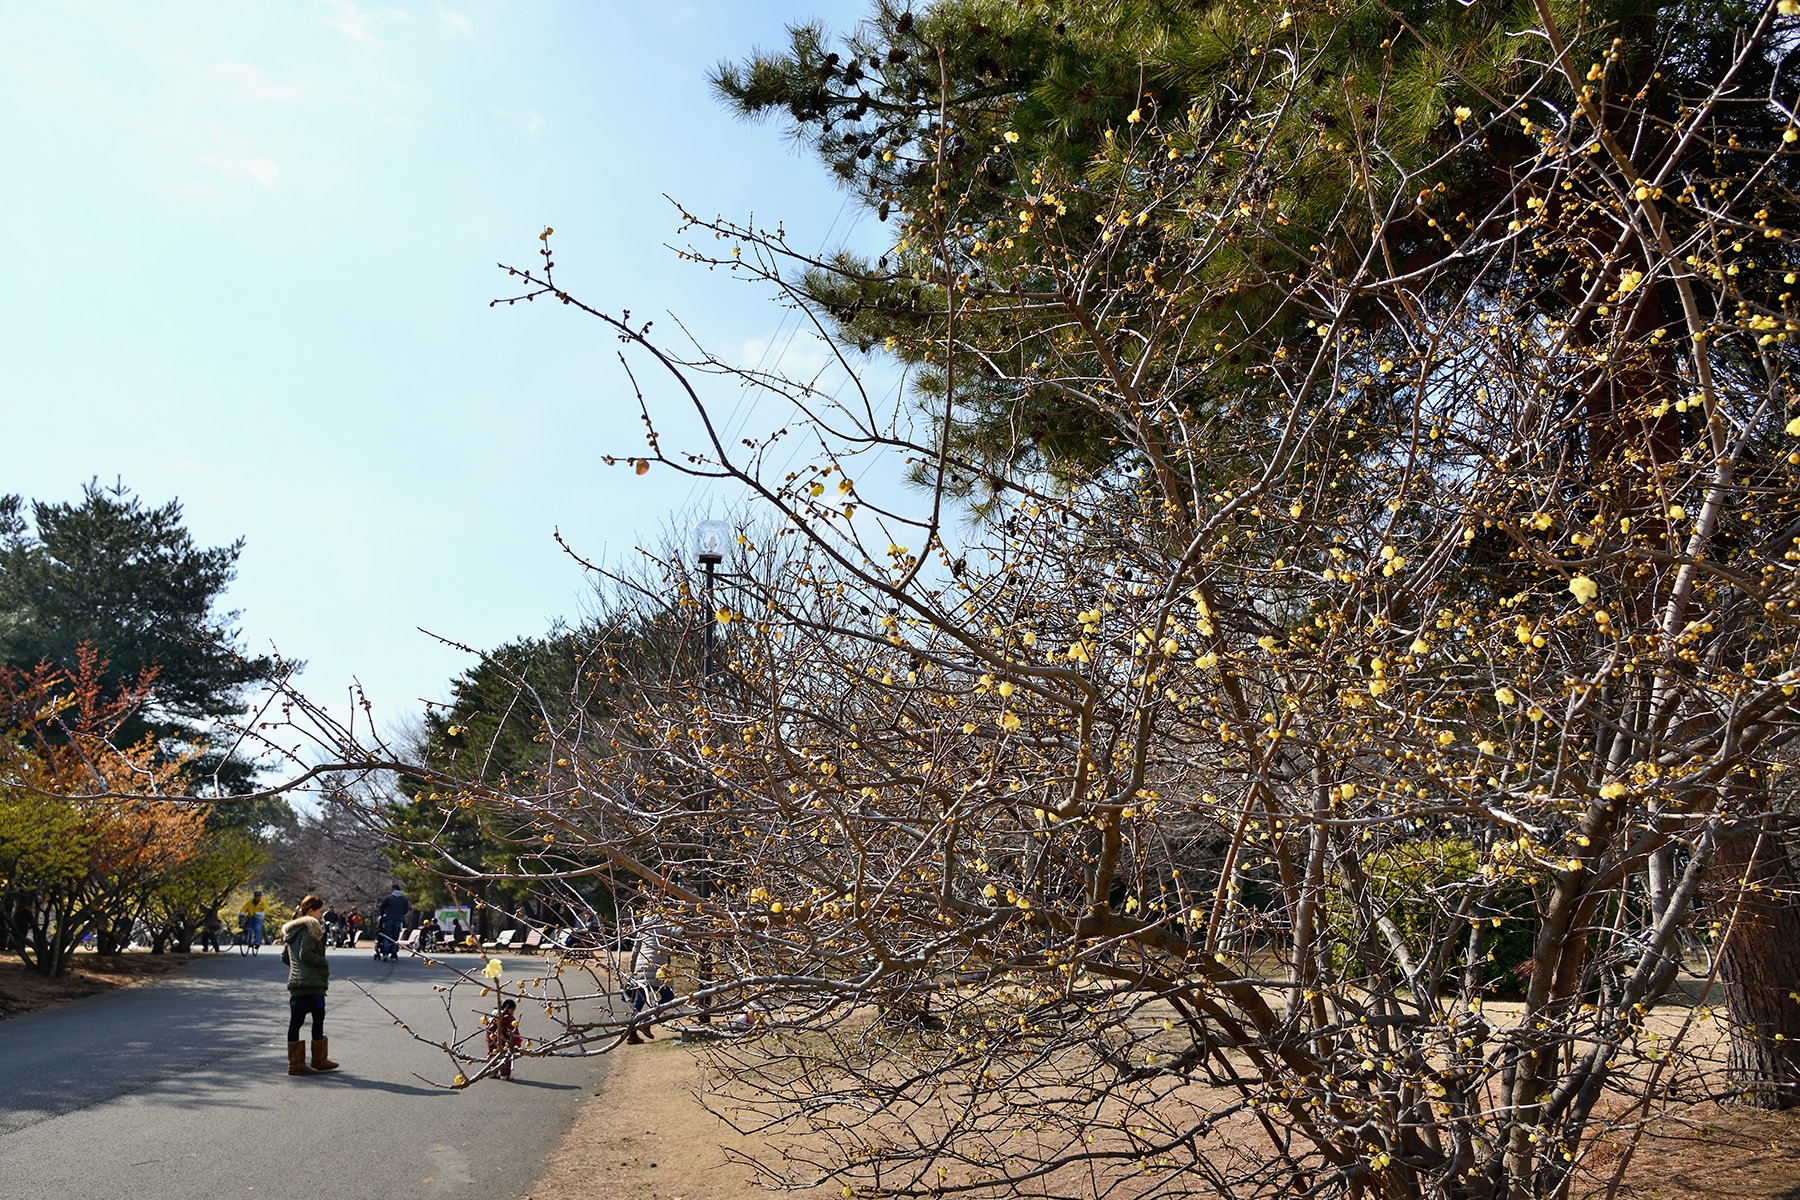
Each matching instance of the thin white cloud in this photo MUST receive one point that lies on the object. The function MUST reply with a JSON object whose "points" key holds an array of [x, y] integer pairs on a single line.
{"points": [[530, 120], [249, 84], [348, 19], [799, 355], [261, 171], [456, 22]]}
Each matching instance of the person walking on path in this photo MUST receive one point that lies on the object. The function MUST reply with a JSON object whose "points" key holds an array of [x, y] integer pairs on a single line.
{"points": [[250, 917], [649, 962], [309, 977], [209, 930], [392, 914], [503, 1035]]}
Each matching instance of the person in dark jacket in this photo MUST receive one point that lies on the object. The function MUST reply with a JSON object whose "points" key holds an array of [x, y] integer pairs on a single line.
{"points": [[503, 1035], [391, 912], [309, 977]]}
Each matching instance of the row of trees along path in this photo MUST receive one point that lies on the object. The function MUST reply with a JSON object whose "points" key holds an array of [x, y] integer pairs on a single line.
{"points": [[1327, 691]]}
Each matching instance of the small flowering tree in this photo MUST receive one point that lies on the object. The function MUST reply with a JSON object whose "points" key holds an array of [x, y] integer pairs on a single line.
{"points": [[1320, 783]]}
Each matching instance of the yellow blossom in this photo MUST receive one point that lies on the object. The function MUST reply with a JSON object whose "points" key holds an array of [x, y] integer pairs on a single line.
{"points": [[1583, 589]]}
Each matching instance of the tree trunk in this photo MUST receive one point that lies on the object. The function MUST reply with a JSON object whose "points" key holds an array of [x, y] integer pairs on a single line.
{"points": [[53, 943], [1752, 892], [17, 934]]}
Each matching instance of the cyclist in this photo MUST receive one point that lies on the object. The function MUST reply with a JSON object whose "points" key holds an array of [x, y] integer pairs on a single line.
{"points": [[250, 917], [391, 912]]}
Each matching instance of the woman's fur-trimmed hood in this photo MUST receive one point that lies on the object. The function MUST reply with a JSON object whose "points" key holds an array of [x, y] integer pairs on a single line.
{"points": [[312, 924]]}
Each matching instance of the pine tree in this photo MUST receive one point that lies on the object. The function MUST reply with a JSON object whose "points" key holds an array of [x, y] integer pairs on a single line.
{"points": [[129, 581]]}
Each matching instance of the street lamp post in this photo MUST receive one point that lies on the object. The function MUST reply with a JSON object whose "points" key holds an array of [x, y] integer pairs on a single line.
{"points": [[710, 540]]}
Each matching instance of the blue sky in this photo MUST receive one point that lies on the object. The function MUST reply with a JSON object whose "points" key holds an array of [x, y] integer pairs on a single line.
{"points": [[247, 252]]}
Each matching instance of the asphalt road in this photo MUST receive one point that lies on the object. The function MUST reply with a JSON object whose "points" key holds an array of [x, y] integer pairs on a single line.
{"points": [[179, 1089]]}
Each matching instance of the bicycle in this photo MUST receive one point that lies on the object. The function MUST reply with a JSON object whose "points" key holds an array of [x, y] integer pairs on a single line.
{"points": [[247, 940]]}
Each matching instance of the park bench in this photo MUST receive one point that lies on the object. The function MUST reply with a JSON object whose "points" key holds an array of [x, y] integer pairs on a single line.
{"points": [[534, 941], [503, 942], [409, 941]]}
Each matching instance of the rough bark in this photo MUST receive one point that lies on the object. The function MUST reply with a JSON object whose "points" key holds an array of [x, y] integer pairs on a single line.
{"points": [[1754, 899]]}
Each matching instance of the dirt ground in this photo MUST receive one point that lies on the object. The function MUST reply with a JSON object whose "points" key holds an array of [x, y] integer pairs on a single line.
{"points": [[1711, 1151], [645, 1136], [23, 991]]}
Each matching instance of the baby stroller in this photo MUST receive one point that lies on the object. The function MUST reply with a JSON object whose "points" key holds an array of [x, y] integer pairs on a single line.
{"points": [[387, 943]]}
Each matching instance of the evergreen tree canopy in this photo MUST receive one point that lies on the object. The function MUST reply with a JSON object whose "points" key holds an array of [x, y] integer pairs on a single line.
{"points": [[129, 581], [1008, 143]]}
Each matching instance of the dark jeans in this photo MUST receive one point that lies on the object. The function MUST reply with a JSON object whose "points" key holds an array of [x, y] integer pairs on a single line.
{"points": [[388, 943], [298, 1007], [635, 995]]}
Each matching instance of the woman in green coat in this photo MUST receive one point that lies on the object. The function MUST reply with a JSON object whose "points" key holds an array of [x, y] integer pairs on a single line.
{"points": [[309, 975]]}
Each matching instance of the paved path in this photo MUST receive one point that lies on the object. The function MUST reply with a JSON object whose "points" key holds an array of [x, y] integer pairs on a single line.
{"points": [[178, 1090]]}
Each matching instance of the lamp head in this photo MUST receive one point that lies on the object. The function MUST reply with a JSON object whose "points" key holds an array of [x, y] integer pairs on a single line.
{"points": [[710, 540]]}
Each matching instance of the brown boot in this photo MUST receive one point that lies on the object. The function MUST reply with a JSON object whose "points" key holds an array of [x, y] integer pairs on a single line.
{"points": [[321, 1060], [297, 1060]]}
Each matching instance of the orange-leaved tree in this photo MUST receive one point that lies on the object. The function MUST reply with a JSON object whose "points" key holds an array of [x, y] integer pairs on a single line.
{"points": [[86, 827]]}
